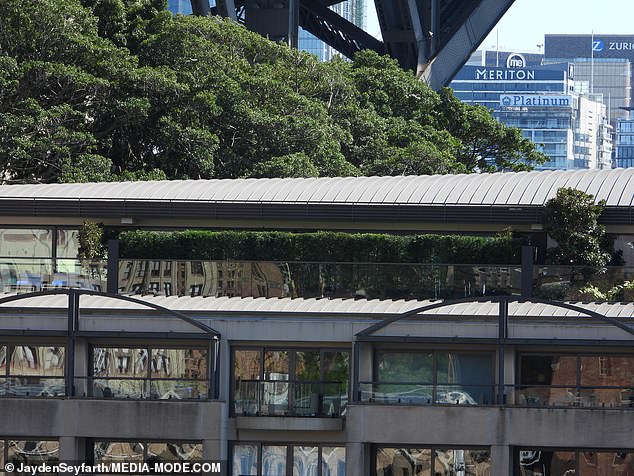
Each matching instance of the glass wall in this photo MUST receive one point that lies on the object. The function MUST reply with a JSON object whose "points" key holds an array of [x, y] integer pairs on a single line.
{"points": [[424, 377], [599, 380], [428, 461], [149, 372], [28, 452], [565, 462], [267, 459], [299, 382], [151, 451], [32, 370]]}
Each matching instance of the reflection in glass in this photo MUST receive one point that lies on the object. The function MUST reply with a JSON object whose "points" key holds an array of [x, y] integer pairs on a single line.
{"points": [[546, 463], [333, 461], [276, 365], [245, 460], [179, 363], [32, 452], [305, 460], [120, 362], [273, 460], [67, 243], [307, 366], [548, 370], [26, 242], [403, 462], [246, 364], [404, 367], [37, 360], [178, 389], [117, 388], [118, 451], [174, 452]]}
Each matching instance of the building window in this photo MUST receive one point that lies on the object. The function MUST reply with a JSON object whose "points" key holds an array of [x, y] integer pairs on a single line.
{"points": [[293, 382], [29, 370], [538, 461], [430, 377], [151, 451], [431, 461], [281, 459], [28, 452], [581, 380], [149, 372]]}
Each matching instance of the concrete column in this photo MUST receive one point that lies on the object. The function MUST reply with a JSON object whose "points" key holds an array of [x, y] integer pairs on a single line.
{"points": [[216, 450], [357, 458], [70, 449], [501, 461]]}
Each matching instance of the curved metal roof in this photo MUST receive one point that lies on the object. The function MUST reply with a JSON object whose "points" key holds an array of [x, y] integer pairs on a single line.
{"points": [[616, 186], [350, 307]]}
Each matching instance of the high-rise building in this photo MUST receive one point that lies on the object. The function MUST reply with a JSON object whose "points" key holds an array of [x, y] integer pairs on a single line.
{"points": [[624, 156], [571, 129], [183, 7], [604, 64], [351, 10]]}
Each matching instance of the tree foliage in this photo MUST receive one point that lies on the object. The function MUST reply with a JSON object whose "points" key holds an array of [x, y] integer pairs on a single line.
{"points": [[571, 219], [95, 90]]}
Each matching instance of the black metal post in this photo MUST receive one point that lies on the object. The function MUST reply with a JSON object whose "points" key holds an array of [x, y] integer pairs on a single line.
{"points": [[355, 372], [113, 267], [528, 260], [73, 325], [502, 336]]}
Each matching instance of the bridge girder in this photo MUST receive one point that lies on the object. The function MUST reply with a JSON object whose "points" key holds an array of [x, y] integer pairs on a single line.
{"points": [[432, 37]]}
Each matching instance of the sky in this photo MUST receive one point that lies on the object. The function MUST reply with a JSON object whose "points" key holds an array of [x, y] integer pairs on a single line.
{"points": [[527, 21]]}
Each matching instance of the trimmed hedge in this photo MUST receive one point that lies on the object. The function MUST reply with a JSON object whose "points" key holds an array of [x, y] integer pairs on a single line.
{"points": [[320, 246]]}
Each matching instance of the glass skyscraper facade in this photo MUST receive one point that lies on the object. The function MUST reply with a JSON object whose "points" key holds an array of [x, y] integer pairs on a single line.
{"points": [[183, 7], [624, 156], [571, 129], [351, 10]]}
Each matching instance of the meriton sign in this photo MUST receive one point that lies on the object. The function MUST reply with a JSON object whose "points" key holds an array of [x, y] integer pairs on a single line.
{"points": [[504, 74], [535, 100]]}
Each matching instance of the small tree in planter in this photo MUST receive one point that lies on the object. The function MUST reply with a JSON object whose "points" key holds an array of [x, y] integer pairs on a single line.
{"points": [[571, 219], [92, 251]]}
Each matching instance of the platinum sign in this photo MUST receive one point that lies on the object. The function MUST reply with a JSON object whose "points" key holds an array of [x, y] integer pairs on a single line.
{"points": [[535, 100]]}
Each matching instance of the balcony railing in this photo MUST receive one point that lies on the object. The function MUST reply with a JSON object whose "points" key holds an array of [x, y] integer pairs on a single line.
{"points": [[566, 396], [142, 388], [363, 280], [289, 398], [400, 393], [32, 386], [28, 274]]}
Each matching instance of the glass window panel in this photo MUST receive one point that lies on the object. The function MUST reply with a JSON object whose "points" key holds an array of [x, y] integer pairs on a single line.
{"points": [[605, 370], [276, 365], [472, 372], [67, 243], [598, 464], [119, 388], [32, 452], [25, 242], [178, 389], [246, 364], [307, 366], [179, 363], [118, 451], [166, 451], [477, 463], [541, 463], [120, 362], [403, 462], [405, 367], [245, 460], [305, 460], [548, 370], [273, 460], [335, 369], [333, 461], [37, 360], [3, 360]]}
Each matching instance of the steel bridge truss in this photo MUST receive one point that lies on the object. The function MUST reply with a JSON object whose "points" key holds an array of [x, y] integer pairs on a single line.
{"points": [[432, 37]]}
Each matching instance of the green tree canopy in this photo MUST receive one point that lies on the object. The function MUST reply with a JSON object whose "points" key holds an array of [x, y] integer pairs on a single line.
{"points": [[94, 90], [571, 219]]}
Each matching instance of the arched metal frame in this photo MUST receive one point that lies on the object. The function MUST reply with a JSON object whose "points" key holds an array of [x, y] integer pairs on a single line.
{"points": [[209, 334], [503, 320]]}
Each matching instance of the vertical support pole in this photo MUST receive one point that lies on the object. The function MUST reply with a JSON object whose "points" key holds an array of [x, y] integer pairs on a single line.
{"points": [[73, 324], [227, 9], [201, 7], [503, 317], [214, 373], [434, 22], [293, 23], [528, 259], [355, 372], [112, 285]]}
